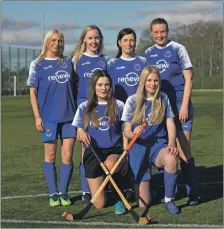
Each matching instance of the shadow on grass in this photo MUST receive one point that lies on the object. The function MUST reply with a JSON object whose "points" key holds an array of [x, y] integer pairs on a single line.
{"points": [[210, 185]]}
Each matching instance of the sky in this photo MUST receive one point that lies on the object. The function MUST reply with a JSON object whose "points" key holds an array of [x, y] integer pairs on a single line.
{"points": [[22, 21]]}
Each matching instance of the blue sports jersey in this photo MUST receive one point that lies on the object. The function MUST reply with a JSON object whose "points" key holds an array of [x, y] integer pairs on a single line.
{"points": [[55, 84], [85, 67], [170, 60], [125, 75], [105, 136], [152, 131]]}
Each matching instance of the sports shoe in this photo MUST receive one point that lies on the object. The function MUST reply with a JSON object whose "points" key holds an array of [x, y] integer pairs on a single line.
{"points": [[86, 197], [119, 208], [171, 207], [54, 200], [192, 202], [65, 201]]}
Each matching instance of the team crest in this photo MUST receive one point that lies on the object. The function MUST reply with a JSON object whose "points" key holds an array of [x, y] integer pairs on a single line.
{"points": [[101, 63], [64, 65], [137, 67], [48, 132], [167, 54]]}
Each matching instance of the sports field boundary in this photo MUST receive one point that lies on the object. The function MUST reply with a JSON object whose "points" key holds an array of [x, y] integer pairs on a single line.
{"points": [[134, 225], [79, 192]]}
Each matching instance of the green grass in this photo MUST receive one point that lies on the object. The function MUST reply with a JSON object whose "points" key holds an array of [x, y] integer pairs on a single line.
{"points": [[22, 159]]}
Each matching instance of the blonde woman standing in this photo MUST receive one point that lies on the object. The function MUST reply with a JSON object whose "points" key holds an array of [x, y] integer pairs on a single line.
{"points": [[87, 57], [51, 81], [156, 145]]}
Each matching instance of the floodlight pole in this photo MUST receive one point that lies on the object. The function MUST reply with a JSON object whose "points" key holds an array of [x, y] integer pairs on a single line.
{"points": [[42, 21]]}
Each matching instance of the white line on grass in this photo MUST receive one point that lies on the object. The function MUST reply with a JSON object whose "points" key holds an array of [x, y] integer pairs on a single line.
{"points": [[110, 224], [45, 194]]}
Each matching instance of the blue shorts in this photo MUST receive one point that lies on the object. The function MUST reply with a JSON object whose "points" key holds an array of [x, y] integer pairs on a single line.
{"points": [[53, 129], [142, 157], [187, 126], [80, 100]]}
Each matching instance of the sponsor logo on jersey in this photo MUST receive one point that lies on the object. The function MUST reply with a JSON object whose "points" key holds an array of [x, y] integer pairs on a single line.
{"points": [[154, 55], [161, 65], [167, 54], [85, 63], [137, 67], [89, 74], [48, 132], [104, 123], [121, 67], [50, 66], [131, 79], [60, 76], [148, 119]]}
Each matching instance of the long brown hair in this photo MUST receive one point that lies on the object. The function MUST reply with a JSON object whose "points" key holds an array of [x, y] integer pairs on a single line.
{"points": [[111, 108], [158, 111]]}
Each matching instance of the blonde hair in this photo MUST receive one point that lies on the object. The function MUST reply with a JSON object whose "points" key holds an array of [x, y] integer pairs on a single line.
{"points": [[111, 107], [81, 46], [43, 53], [157, 111]]}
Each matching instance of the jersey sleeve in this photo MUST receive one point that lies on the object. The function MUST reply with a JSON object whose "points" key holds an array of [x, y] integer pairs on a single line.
{"points": [[79, 115], [33, 80], [128, 111], [168, 109], [184, 58]]}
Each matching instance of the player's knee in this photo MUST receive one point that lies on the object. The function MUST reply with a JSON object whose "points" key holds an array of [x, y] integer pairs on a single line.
{"points": [[170, 162]]}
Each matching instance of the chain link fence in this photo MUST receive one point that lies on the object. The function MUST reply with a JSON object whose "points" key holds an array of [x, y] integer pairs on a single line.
{"points": [[15, 63]]}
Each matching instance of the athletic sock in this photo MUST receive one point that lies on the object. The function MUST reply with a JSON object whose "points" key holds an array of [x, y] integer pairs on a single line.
{"points": [[170, 184], [50, 176], [190, 177], [65, 177], [84, 182]]}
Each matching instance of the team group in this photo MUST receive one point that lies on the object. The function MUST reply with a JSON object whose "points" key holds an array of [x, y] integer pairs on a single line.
{"points": [[103, 103]]}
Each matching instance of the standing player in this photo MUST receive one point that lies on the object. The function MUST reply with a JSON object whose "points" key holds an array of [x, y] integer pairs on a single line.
{"points": [[52, 92], [152, 147], [124, 71], [174, 65], [126, 67], [87, 57], [99, 123]]}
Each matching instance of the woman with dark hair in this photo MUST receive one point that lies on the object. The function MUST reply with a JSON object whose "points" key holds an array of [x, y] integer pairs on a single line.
{"points": [[99, 123], [175, 67], [127, 66]]}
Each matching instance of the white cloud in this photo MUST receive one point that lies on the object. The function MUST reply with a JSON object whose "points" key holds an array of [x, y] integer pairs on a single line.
{"points": [[68, 25], [187, 13], [18, 23]]}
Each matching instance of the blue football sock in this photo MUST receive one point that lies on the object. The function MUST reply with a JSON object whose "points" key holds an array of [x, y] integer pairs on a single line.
{"points": [[170, 184], [65, 177], [84, 182], [190, 177], [50, 176]]}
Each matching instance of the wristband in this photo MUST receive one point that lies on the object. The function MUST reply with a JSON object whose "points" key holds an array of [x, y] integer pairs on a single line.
{"points": [[37, 116]]}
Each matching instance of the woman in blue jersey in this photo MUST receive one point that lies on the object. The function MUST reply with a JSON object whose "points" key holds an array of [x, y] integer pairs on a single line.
{"points": [[126, 67], [99, 123], [174, 65], [124, 71], [152, 147], [87, 57], [52, 93]]}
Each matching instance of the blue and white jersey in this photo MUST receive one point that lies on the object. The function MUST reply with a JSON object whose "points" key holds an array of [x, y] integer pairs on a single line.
{"points": [[170, 60], [55, 84], [85, 67], [152, 130], [125, 75], [106, 135]]}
